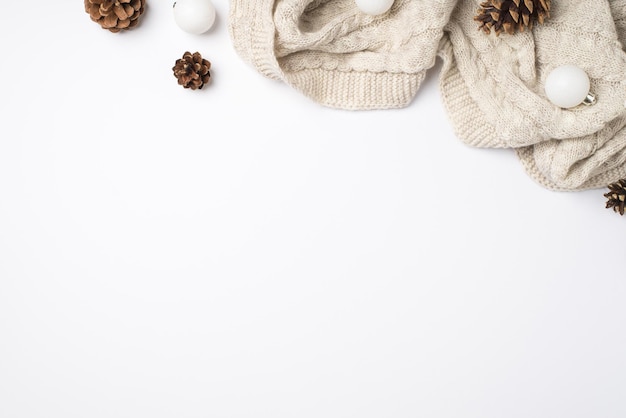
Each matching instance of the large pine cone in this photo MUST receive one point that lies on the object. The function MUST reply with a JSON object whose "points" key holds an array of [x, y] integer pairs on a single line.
{"points": [[192, 71], [511, 15], [115, 15], [616, 196]]}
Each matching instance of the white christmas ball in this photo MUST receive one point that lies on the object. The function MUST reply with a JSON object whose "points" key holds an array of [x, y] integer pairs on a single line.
{"points": [[194, 16], [374, 7], [567, 86]]}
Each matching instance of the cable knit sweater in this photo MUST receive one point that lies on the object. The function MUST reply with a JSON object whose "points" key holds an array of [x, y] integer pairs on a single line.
{"points": [[589, 162], [493, 90], [492, 86], [338, 56]]}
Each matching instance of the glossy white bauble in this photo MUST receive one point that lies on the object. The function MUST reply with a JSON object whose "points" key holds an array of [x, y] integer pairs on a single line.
{"points": [[567, 86], [194, 16], [374, 7]]}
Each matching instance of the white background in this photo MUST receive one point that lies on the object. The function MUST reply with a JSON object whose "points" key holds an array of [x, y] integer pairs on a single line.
{"points": [[240, 251]]}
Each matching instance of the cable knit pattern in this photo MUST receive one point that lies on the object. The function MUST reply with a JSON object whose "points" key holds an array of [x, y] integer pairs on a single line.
{"points": [[337, 55], [493, 90], [492, 86], [588, 162]]}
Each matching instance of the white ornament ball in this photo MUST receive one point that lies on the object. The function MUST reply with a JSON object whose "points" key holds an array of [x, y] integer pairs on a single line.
{"points": [[567, 86], [374, 7], [194, 16]]}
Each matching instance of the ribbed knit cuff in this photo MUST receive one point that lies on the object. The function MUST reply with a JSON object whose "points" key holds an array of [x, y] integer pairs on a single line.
{"points": [[252, 32], [467, 119], [354, 90]]}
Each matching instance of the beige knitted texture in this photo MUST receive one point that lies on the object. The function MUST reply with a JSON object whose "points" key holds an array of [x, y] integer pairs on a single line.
{"points": [[618, 10], [493, 90], [337, 55], [251, 29], [583, 163]]}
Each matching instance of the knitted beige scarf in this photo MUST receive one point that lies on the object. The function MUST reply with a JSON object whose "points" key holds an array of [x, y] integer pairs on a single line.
{"points": [[493, 90], [492, 86], [338, 56]]}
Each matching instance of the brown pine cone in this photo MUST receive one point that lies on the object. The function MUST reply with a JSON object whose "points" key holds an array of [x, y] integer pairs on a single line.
{"points": [[115, 15], [511, 15], [192, 71], [616, 197]]}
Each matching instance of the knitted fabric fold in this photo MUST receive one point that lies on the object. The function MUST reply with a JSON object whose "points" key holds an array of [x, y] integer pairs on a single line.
{"points": [[493, 91], [338, 56], [588, 162]]}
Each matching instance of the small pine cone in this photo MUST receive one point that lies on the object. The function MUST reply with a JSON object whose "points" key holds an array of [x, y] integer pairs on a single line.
{"points": [[616, 197], [511, 15], [115, 15], [192, 71]]}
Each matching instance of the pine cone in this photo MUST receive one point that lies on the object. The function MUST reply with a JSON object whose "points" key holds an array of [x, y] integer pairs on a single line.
{"points": [[192, 71], [617, 196], [115, 15], [511, 15]]}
